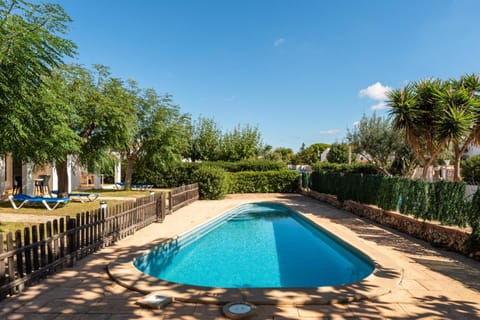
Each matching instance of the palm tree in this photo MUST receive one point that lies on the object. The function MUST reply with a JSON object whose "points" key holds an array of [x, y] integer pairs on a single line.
{"points": [[459, 123], [414, 109]]}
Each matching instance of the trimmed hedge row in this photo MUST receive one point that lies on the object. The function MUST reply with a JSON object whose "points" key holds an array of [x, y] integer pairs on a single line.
{"points": [[364, 168], [214, 181], [263, 182], [442, 201], [249, 165]]}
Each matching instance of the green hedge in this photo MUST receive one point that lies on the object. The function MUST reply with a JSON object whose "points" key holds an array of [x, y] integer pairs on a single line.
{"points": [[215, 182], [212, 182], [172, 175], [249, 165], [442, 201], [260, 182], [342, 168]]}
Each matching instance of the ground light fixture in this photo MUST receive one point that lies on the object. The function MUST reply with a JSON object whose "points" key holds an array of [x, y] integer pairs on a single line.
{"points": [[238, 310]]}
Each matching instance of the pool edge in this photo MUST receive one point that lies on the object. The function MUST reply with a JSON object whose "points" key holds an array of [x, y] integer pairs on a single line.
{"points": [[385, 277]]}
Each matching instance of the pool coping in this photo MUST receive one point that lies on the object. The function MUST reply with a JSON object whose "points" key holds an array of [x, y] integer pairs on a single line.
{"points": [[385, 278]]}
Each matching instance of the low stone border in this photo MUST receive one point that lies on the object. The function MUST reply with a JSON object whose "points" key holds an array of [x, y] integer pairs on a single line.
{"points": [[438, 235], [385, 278]]}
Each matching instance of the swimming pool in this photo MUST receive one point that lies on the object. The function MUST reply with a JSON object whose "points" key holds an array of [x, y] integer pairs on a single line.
{"points": [[261, 245]]}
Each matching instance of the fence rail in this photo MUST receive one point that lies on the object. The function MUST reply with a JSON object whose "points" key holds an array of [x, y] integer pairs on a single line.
{"points": [[44, 249], [182, 196]]}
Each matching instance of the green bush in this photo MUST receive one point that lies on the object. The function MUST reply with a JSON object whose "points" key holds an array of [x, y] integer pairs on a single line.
{"points": [[341, 168], [172, 175], [249, 165], [474, 215], [267, 181], [212, 182], [471, 170]]}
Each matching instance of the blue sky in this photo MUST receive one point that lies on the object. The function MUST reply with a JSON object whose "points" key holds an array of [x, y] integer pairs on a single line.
{"points": [[302, 71]]}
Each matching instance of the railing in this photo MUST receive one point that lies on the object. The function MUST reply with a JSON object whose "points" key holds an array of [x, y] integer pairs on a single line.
{"points": [[182, 196], [38, 251]]}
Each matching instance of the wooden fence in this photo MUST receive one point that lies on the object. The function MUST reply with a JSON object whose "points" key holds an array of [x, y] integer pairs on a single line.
{"points": [[47, 248], [182, 196]]}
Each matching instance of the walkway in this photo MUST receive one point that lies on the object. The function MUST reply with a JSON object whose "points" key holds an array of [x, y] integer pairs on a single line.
{"points": [[435, 284]]}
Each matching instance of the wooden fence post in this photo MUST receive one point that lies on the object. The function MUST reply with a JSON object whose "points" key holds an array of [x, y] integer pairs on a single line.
{"points": [[18, 244], [11, 269], [43, 255], [2, 263], [36, 264], [28, 252]]}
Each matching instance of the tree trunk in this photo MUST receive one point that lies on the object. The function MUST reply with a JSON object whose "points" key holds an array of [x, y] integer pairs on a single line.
{"points": [[129, 172], [2, 175], [62, 173], [458, 159], [425, 168]]}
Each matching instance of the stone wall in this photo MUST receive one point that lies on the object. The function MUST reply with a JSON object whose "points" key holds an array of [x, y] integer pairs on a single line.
{"points": [[438, 235]]}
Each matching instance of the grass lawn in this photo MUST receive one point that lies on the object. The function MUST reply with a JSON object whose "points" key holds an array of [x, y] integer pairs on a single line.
{"points": [[6, 227]]}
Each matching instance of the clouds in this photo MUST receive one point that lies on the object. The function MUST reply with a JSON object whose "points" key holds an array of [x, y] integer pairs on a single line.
{"points": [[278, 42], [376, 92], [330, 131]]}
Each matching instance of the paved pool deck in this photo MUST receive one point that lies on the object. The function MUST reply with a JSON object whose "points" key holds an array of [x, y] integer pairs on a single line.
{"points": [[412, 281]]}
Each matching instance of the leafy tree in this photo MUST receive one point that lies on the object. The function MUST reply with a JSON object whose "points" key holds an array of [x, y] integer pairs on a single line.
{"points": [[471, 170], [376, 140], [206, 137], [311, 154], [267, 152], [404, 163], [31, 46], [283, 154], [104, 118], [339, 153], [168, 140], [240, 144]]}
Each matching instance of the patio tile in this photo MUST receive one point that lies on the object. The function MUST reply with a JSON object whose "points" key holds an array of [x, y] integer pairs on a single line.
{"points": [[82, 317], [336, 311], [30, 316], [208, 311]]}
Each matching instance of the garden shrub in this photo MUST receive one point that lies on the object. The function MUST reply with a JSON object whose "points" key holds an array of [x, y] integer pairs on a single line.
{"points": [[212, 182], [363, 168], [267, 181], [474, 215], [249, 165], [471, 170], [172, 175]]}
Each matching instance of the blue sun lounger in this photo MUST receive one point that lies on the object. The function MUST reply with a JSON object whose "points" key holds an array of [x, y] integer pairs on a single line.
{"points": [[45, 201], [134, 186], [81, 196], [84, 197]]}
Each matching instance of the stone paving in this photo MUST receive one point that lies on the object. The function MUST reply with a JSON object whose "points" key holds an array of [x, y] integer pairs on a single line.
{"points": [[434, 284]]}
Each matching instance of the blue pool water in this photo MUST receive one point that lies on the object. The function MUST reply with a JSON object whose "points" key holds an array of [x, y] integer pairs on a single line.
{"points": [[257, 245]]}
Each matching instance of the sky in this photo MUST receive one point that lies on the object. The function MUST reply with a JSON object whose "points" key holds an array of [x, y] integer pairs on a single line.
{"points": [[302, 71]]}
